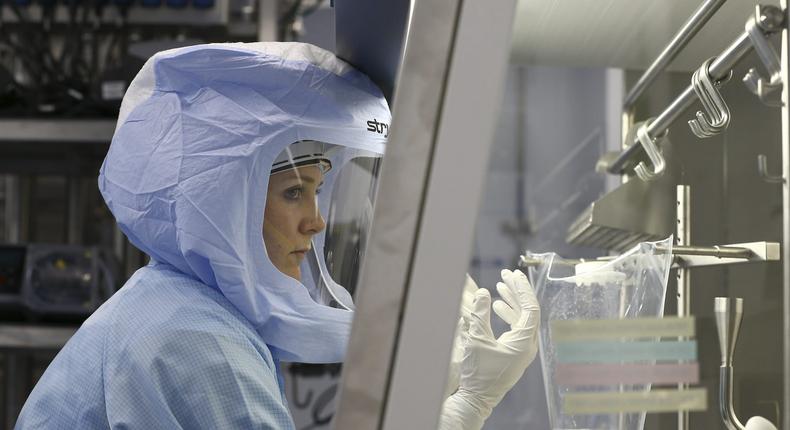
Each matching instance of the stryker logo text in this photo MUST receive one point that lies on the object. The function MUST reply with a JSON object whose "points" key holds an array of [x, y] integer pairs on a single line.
{"points": [[379, 127]]}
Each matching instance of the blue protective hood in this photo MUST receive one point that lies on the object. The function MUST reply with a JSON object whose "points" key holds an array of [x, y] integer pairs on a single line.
{"points": [[187, 172]]}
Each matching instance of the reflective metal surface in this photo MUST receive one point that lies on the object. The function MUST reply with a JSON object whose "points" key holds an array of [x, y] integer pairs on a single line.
{"points": [[765, 18], [785, 144], [698, 256], [465, 133], [398, 211], [718, 69], [729, 314], [684, 35], [635, 212]]}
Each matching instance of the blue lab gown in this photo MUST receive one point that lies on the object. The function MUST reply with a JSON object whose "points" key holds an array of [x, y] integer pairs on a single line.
{"points": [[165, 352]]}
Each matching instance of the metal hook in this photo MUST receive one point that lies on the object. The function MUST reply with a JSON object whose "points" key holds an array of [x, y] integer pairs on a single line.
{"points": [[700, 126], [762, 170], [648, 143], [716, 117], [765, 19], [762, 88]]}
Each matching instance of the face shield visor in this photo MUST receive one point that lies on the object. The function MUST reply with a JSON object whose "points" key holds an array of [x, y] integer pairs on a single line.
{"points": [[325, 195]]}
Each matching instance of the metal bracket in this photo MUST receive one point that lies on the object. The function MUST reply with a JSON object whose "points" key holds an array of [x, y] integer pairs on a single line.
{"points": [[751, 252], [765, 19], [762, 170], [699, 256]]}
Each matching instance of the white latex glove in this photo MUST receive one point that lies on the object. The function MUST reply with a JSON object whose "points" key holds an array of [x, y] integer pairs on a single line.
{"points": [[490, 366], [467, 304], [759, 423]]}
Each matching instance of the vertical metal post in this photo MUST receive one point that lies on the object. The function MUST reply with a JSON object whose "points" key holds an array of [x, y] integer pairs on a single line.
{"points": [[464, 138], [419, 246], [683, 275], [12, 212], [26, 189], [615, 119], [267, 20], [387, 266], [785, 223], [627, 123]]}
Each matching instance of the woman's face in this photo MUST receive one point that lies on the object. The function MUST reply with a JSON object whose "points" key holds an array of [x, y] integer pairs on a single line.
{"points": [[291, 217]]}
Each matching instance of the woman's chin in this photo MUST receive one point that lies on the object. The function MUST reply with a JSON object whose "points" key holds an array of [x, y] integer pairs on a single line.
{"points": [[295, 273]]}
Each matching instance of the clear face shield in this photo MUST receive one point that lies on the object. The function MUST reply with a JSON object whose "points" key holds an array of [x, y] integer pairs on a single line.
{"points": [[330, 220]]}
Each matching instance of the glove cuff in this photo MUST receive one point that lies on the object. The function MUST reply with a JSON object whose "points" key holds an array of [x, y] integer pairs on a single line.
{"points": [[463, 411]]}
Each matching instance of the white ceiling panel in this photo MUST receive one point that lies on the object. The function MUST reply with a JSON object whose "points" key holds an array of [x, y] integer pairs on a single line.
{"points": [[620, 33]]}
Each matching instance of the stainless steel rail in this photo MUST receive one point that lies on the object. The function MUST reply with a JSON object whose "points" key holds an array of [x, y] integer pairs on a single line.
{"points": [[713, 251], [765, 252], [684, 35], [719, 69]]}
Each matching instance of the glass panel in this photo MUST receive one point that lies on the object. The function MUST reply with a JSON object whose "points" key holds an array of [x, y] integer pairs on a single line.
{"points": [[560, 127]]}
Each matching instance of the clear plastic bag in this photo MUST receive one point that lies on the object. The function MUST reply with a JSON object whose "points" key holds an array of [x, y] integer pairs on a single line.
{"points": [[632, 285]]}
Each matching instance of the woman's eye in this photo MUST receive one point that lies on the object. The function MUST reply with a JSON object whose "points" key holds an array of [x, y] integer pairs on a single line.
{"points": [[318, 191], [293, 193]]}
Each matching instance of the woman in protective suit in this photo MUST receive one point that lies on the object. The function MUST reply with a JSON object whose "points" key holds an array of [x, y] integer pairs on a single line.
{"points": [[247, 173]]}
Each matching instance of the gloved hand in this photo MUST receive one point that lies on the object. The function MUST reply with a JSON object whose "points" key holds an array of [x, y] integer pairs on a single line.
{"points": [[490, 366], [467, 305]]}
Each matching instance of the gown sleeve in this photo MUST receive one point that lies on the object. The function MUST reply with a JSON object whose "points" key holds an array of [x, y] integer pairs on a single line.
{"points": [[193, 379]]}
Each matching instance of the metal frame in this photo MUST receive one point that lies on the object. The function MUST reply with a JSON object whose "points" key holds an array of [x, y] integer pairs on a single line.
{"points": [[42, 130], [684, 273], [688, 256], [391, 247], [420, 246], [444, 246], [718, 70], [785, 62], [737, 253]]}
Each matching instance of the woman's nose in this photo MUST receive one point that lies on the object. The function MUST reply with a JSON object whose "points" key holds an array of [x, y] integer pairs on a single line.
{"points": [[313, 223]]}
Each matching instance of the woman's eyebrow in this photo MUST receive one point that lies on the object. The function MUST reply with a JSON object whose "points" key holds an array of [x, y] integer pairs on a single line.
{"points": [[301, 179]]}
